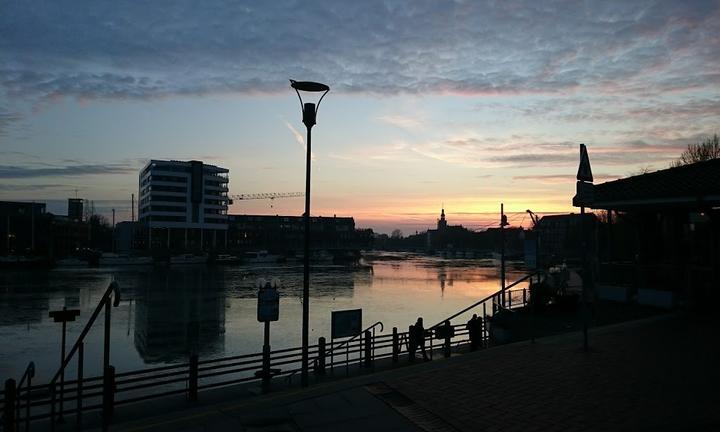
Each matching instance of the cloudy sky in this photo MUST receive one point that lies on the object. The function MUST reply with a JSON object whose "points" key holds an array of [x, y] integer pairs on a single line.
{"points": [[464, 103]]}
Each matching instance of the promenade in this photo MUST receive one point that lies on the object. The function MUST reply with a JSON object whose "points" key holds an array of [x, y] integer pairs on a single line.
{"points": [[660, 373]]}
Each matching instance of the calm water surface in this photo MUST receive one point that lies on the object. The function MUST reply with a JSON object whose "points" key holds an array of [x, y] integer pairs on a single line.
{"points": [[165, 312]]}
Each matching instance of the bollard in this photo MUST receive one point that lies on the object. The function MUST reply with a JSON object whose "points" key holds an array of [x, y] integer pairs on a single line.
{"points": [[395, 346], [320, 364], [108, 403], [368, 349], [193, 379], [9, 407]]}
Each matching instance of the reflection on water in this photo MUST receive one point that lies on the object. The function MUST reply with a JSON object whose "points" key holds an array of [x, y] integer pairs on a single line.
{"points": [[178, 313], [166, 313]]}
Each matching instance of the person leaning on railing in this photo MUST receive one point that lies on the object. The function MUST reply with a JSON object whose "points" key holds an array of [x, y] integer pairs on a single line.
{"points": [[416, 335], [474, 328]]}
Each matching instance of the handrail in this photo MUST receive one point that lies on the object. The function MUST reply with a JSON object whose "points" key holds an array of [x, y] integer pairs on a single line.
{"points": [[491, 296], [332, 348], [29, 374], [113, 287]]}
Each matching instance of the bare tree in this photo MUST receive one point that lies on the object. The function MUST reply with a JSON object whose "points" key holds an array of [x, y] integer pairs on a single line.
{"points": [[642, 170], [707, 149], [396, 234]]}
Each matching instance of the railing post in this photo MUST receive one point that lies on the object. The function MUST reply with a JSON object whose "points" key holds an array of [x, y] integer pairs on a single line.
{"points": [[395, 345], [411, 344], [448, 337], [81, 355], [106, 341], [320, 368], [193, 379], [27, 401], [368, 349], [9, 408], [524, 296], [108, 395], [52, 406]]}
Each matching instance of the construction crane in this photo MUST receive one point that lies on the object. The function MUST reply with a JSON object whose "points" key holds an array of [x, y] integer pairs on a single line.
{"points": [[269, 195], [533, 217]]}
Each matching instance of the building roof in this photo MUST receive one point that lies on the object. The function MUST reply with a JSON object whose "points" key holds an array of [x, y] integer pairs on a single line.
{"points": [[690, 186]]}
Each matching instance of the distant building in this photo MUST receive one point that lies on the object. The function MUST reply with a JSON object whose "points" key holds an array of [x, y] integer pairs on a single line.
{"points": [[19, 225], [559, 238], [75, 209], [284, 234], [449, 236], [183, 204], [129, 237]]}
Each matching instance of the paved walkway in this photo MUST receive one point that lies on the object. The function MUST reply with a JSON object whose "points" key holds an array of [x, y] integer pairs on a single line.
{"points": [[657, 374]]}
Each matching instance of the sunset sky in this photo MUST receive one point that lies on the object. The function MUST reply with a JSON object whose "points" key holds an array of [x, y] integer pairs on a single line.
{"points": [[462, 103]]}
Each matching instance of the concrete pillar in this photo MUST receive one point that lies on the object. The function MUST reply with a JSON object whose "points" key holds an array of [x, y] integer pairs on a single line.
{"points": [[185, 238], [202, 232], [214, 239]]}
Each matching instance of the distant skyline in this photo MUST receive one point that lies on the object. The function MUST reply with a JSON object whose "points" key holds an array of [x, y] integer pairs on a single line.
{"points": [[464, 103]]}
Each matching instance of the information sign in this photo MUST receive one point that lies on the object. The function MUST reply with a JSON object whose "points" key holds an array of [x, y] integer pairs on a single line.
{"points": [[346, 323], [268, 304]]}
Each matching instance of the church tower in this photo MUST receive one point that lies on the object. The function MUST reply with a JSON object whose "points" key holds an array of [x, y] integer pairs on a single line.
{"points": [[442, 223]]}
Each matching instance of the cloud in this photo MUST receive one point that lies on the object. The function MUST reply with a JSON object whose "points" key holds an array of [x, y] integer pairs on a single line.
{"points": [[96, 49], [403, 122], [300, 139], [7, 120], [297, 135], [525, 151], [35, 187], [22, 172]]}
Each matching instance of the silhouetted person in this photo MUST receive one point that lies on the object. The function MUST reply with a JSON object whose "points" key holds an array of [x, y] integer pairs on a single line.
{"points": [[474, 328], [417, 339], [447, 331]]}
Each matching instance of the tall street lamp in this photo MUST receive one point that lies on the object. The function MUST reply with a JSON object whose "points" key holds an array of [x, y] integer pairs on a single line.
{"points": [[309, 112]]}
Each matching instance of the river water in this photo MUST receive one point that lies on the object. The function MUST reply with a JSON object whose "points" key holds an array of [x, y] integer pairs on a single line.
{"points": [[165, 312]]}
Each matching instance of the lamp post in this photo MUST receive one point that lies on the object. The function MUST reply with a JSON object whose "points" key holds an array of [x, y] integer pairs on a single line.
{"points": [[309, 112]]}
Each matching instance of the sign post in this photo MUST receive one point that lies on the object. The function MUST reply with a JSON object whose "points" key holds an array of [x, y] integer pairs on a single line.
{"points": [[63, 316], [268, 310], [584, 196]]}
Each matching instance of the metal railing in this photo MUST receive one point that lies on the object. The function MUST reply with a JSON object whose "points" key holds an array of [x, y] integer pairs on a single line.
{"points": [[111, 389], [497, 298], [320, 361]]}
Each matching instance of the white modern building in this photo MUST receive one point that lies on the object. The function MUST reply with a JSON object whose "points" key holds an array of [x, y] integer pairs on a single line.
{"points": [[183, 204]]}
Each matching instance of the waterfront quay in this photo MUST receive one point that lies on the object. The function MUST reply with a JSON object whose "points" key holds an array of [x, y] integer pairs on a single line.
{"points": [[658, 373]]}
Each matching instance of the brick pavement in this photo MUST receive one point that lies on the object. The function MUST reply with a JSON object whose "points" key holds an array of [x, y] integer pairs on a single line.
{"points": [[658, 376]]}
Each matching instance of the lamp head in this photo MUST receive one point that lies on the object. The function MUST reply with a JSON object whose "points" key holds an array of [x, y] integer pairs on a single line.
{"points": [[309, 109]]}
